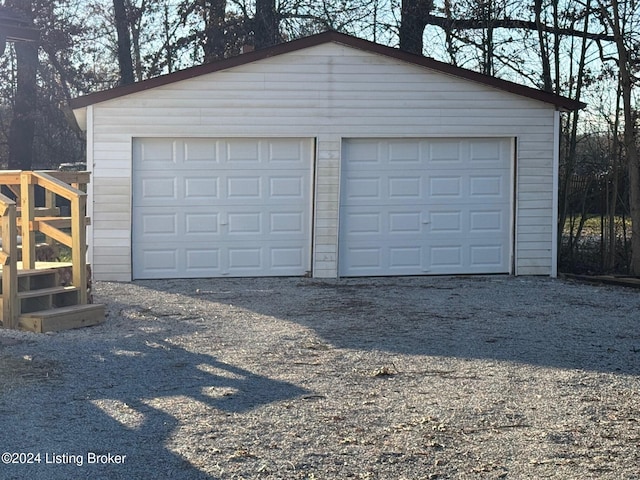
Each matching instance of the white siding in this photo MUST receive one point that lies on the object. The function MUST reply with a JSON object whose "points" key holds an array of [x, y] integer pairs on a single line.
{"points": [[327, 92]]}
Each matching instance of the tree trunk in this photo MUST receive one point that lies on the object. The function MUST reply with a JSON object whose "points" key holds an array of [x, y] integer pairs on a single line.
{"points": [[544, 49], [22, 129], [214, 35], [124, 42], [634, 204], [612, 201], [413, 20], [265, 24], [23, 122], [135, 23], [629, 137], [168, 44], [570, 160]]}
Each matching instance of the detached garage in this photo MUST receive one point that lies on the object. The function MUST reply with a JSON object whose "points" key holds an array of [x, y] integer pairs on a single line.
{"points": [[326, 156]]}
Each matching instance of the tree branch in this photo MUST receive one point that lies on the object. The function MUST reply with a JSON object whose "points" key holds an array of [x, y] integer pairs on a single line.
{"points": [[449, 24]]}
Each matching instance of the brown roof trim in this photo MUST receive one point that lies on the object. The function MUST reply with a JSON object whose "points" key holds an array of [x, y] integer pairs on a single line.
{"points": [[314, 40]]}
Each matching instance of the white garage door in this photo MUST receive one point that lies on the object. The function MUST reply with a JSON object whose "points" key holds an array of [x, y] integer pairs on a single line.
{"points": [[425, 206], [221, 207]]}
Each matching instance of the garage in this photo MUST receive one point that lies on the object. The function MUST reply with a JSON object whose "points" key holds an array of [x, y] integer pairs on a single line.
{"points": [[327, 156], [425, 206], [210, 207]]}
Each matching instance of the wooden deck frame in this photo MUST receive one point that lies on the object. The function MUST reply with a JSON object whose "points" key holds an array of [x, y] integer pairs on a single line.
{"points": [[45, 219], [9, 261]]}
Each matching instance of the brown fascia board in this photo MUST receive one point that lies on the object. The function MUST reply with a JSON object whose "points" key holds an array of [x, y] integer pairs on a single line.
{"points": [[559, 102]]}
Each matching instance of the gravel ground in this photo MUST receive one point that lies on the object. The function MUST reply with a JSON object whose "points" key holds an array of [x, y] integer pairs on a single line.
{"points": [[292, 378]]}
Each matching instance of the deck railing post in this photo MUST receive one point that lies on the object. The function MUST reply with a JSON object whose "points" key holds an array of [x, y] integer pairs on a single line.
{"points": [[50, 204], [10, 307], [27, 205], [79, 247]]}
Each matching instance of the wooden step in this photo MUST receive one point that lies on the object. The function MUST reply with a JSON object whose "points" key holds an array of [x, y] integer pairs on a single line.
{"points": [[43, 292], [48, 276], [64, 318], [46, 298], [29, 280]]}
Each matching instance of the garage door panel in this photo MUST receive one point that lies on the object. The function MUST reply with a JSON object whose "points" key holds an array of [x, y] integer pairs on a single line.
{"points": [[286, 188], [404, 188], [369, 222], [487, 153], [364, 260], [362, 223], [405, 222], [205, 223], [362, 189], [245, 258], [486, 257], [468, 220], [160, 260], [404, 153], [285, 258], [199, 152], [154, 189], [286, 154], [488, 221], [405, 257], [158, 224], [161, 225], [241, 153], [286, 223], [203, 259], [398, 260], [361, 153], [451, 216], [244, 187], [447, 258], [443, 154], [201, 188], [489, 183], [445, 222], [157, 154], [445, 187], [233, 207], [388, 188], [245, 224]]}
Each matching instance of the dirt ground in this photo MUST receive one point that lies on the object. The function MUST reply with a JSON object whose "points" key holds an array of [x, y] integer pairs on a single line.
{"points": [[386, 378]]}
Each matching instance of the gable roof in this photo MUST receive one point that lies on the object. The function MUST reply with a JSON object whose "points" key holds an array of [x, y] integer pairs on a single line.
{"points": [[559, 102]]}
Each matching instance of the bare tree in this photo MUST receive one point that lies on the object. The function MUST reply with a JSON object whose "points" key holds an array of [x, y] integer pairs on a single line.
{"points": [[265, 24], [124, 42], [22, 127], [619, 17], [568, 164], [413, 20]]}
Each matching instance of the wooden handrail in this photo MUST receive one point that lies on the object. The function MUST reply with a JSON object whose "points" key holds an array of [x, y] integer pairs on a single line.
{"points": [[54, 185], [12, 177]]}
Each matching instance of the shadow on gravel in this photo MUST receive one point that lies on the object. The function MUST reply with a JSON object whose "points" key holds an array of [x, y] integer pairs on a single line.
{"points": [[96, 420], [531, 320]]}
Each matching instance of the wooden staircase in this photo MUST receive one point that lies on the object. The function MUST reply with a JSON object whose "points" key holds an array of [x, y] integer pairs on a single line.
{"points": [[53, 296], [48, 306]]}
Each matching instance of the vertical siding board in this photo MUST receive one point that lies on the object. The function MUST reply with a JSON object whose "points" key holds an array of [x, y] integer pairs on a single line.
{"points": [[327, 92]]}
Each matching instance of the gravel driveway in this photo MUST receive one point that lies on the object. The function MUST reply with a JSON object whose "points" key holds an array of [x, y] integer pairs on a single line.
{"points": [[294, 378]]}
